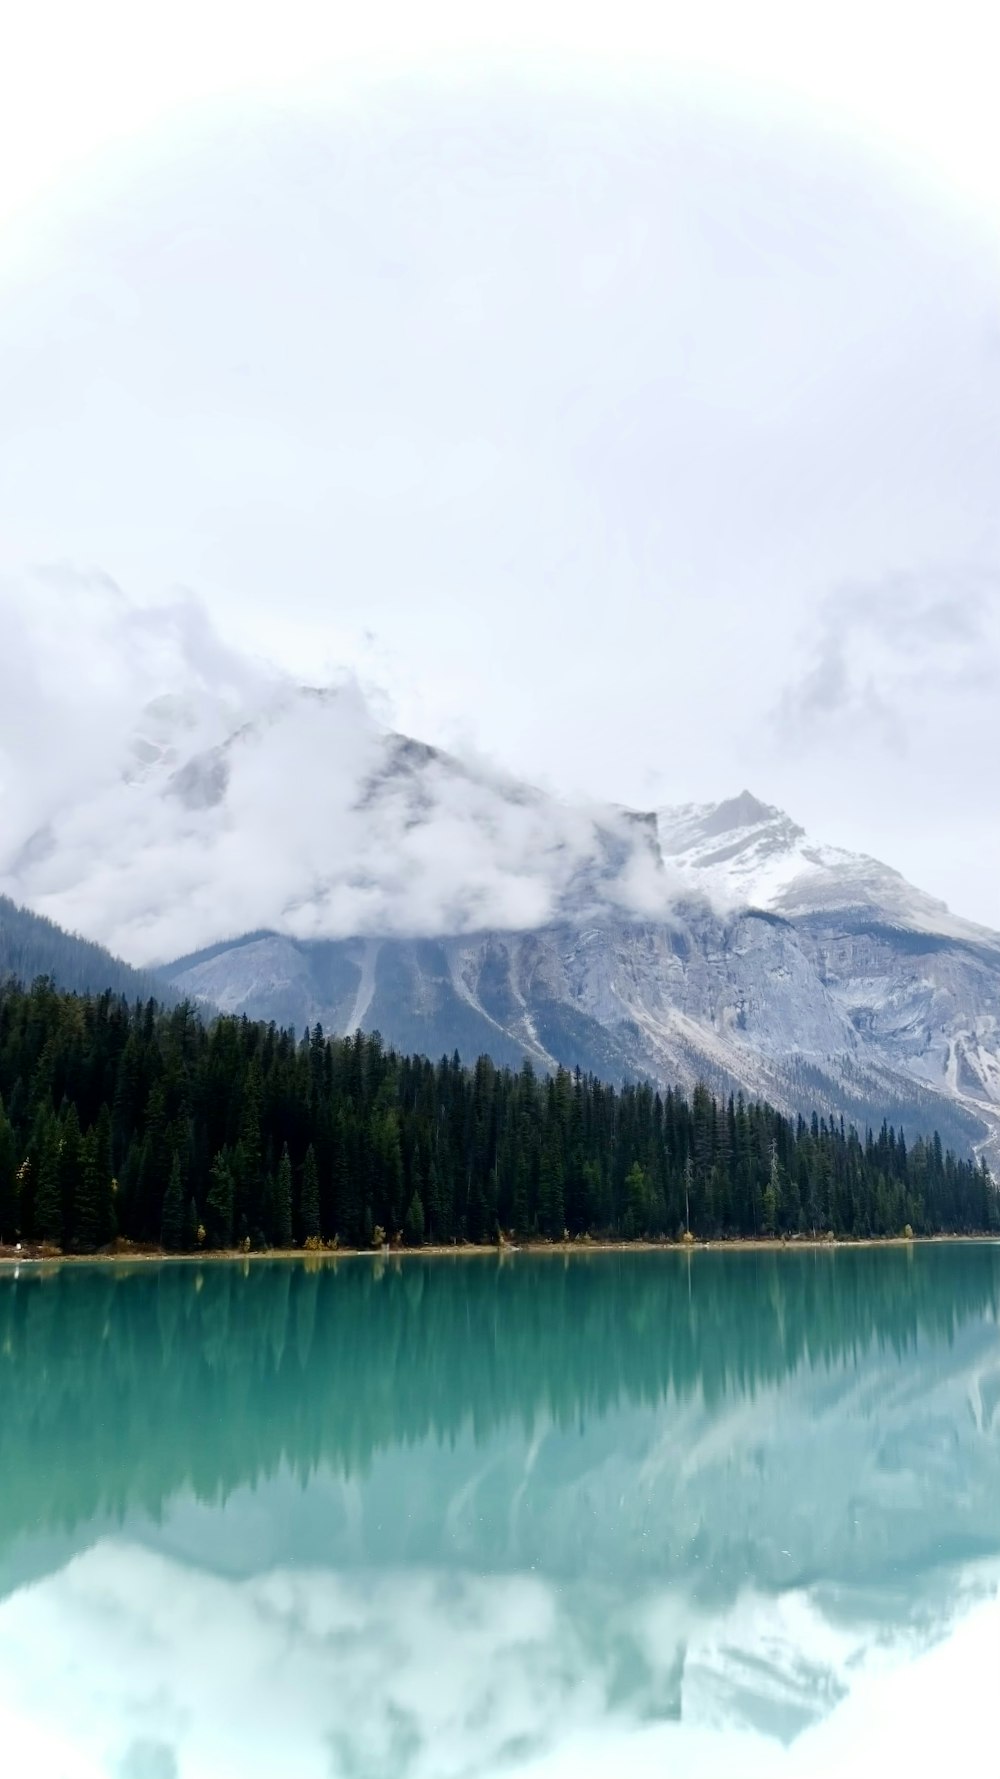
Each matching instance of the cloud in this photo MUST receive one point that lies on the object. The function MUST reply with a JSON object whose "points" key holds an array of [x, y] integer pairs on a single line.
{"points": [[160, 791], [886, 651]]}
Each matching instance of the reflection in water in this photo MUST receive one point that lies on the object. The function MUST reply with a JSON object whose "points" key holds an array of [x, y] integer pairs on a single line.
{"points": [[452, 1517]]}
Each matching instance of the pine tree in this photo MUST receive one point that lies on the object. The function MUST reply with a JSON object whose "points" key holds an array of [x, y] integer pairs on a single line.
{"points": [[413, 1224], [249, 1168], [70, 1148], [636, 1201], [309, 1205], [48, 1191], [550, 1189], [219, 1204], [172, 1225], [94, 1210], [771, 1203], [281, 1230], [8, 1180], [154, 1166], [345, 1210], [392, 1138]]}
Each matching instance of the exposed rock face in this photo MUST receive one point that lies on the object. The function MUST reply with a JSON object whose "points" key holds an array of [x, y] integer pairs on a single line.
{"points": [[838, 1012], [813, 975]]}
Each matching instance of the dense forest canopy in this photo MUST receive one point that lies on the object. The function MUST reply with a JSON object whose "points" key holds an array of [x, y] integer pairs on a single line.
{"points": [[147, 1123]]}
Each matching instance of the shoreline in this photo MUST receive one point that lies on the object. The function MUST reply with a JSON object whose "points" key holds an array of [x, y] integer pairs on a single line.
{"points": [[33, 1255]]}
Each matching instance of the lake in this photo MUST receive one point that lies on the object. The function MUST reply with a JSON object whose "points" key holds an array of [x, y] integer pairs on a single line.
{"points": [[640, 1513]]}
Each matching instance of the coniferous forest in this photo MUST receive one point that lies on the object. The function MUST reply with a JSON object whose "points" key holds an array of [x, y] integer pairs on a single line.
{"points": [[151, 1125]]}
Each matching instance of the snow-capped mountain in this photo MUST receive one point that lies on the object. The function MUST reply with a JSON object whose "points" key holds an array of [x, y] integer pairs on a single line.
{"points": [[304, 863], [743, 853]]}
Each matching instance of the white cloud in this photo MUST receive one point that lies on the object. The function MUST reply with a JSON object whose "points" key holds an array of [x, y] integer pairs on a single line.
{"points": [[161, 792]]}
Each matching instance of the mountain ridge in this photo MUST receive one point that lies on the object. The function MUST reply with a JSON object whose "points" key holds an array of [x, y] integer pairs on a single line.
{"points": [[317, 866], [33, 946]]}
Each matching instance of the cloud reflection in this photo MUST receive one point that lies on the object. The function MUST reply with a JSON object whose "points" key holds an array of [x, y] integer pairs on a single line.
{"points": [[166, 1670]]}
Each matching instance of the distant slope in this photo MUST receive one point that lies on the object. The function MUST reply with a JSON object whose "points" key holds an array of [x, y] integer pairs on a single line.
{"points": [[32, 946]]}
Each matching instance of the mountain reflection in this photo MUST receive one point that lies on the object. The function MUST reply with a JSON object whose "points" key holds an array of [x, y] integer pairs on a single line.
{"points": [[122, 1388], [637, 1512]]}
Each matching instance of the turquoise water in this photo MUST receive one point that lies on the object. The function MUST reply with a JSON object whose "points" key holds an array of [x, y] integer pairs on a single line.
{"points": [[642, 1513]]}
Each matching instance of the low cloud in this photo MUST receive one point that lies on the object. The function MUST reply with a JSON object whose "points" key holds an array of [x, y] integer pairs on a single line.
{"points": [[160, 791]]}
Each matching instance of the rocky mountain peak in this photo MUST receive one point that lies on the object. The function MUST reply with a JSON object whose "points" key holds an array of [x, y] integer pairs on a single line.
{"points": [[744, 811]]}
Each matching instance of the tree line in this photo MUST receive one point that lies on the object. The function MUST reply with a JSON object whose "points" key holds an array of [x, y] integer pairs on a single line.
{"points": [[147, 1123]]}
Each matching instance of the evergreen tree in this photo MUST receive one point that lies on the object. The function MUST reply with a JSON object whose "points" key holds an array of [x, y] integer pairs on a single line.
{"points": [[248, 1168], [636, 1201], [413, 1225], [550, 1190], [281, 1231], [309, 1204], [385, 1139], [172, 1228], [48, 1217], [772, 1196], [94, 1211], [9, 1214], [70, 1144], [219, 1204]]}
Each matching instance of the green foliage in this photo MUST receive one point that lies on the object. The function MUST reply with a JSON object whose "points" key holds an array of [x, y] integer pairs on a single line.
{"points": [[9, 1208], [309, 1215], [636, 1219], [70, 1147], [219, 1203], [217, 1125], [281, 1229], [48, 1206], [172, 1227], [94, 1208], [413, 1226]]}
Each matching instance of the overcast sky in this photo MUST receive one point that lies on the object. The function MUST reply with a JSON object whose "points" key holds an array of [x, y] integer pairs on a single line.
{"points": [[631, 415]]}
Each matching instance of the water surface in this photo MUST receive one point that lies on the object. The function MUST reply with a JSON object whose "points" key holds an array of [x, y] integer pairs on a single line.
{"points": [[647, 1513]]}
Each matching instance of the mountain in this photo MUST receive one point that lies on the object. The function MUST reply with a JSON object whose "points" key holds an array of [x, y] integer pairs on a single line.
{"points": [[743, 853], [311, 818], [32, 946], [746, 1002], [305, 864]]}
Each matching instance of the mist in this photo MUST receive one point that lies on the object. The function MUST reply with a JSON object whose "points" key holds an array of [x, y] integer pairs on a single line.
{"points": [[160, 791]]}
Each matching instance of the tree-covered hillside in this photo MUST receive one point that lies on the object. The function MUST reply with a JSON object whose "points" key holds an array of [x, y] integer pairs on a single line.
{"points": [[151, 1124], [32, 946]]}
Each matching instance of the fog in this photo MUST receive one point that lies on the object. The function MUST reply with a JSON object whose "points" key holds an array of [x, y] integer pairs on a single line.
{"points": [[200, 795]]}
